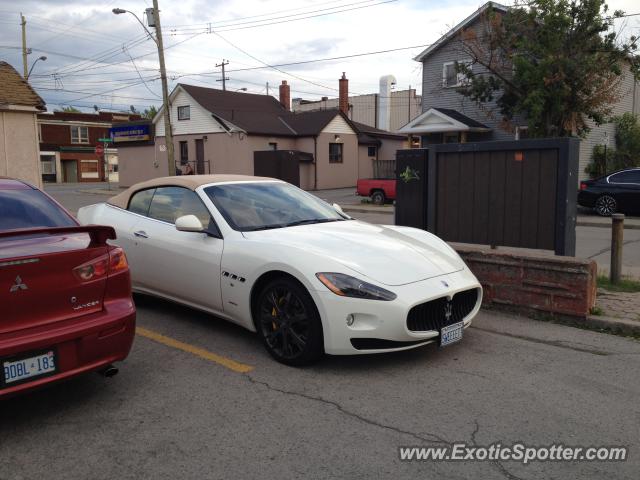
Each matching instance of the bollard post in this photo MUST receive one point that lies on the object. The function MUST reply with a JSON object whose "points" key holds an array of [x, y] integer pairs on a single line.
{"points": [[617, 232]]}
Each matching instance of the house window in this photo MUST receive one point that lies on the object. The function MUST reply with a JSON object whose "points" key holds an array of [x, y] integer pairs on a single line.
{"points": [[450, 76], [522, 133], [450, 137], [48, 163], [184, 153], [371, 151], [89, 169], [79, 134], [184, 112], [335, 153], [273, 146]]}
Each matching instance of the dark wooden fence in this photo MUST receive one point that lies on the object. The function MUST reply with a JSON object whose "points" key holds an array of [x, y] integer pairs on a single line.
{"points": [[384, 169], [518, 194], [282, 164]]}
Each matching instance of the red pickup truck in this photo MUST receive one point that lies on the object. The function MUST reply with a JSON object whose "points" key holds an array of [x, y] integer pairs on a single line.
{"points": [[378, 189]]}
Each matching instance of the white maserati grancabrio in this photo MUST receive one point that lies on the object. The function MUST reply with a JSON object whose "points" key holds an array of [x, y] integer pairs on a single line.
{"points": [[277, 260]]}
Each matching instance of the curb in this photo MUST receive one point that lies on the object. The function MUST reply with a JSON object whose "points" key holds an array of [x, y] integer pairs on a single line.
{"points": [[619, 326], [627, 226], [364, 210], [100, 192]]}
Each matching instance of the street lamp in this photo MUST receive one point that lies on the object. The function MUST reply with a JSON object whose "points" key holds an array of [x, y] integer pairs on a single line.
{"points": [[163, 77], [43, 58]]}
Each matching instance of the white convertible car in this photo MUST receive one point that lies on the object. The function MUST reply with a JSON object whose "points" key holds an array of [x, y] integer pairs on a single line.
{"points": [[277, 260]]}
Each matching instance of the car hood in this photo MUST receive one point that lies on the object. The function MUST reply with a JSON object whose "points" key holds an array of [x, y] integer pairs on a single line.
{"points": [[381, 253]]}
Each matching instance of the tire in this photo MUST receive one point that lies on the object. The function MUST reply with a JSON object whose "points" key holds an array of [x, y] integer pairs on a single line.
{"points": [[606, 205], [288, 322], [378, 197]]}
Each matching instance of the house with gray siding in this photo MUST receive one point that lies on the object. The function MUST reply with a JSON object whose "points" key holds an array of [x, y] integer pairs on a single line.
{"points": [[449, 117]]}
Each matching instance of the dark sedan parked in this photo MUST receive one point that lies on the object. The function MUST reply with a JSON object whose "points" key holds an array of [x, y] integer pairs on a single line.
{"points": [[616, 192]]}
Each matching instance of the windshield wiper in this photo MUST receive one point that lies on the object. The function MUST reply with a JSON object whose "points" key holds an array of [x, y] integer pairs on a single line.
{"points": [[265, 227], [313, 220]]}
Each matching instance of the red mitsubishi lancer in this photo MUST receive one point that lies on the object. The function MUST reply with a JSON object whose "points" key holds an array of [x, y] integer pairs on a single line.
{"points": [[65, 293]]}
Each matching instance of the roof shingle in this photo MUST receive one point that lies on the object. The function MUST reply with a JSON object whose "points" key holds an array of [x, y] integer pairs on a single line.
{"points": [[15, 90]]}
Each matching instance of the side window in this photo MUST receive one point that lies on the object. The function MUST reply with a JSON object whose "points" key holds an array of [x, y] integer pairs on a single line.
{"points": [[170, 203], [140, 201], [626, 177]]}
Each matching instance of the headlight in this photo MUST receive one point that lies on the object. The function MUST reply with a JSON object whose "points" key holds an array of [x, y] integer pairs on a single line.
{"points": [[347, 286]]}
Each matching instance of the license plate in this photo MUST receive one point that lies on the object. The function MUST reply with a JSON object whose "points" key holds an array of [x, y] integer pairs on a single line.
{"points": [[451, 334], [17, 371]]}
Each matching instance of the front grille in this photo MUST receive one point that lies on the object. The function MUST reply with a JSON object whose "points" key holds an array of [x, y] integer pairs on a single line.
{"points": [[432, 315]]}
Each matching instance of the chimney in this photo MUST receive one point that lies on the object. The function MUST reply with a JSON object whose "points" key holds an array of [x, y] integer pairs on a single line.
{"points": [[285, 95], [343, 101]]}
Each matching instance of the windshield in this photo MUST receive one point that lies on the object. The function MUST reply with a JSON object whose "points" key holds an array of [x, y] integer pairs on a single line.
{"points": [[260, 206]]}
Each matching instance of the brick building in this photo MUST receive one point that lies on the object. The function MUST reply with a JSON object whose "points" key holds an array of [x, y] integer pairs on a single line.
{"points": [[67, 146]]}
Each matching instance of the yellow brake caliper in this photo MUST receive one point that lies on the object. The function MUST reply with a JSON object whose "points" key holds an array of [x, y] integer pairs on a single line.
{"points": [[273, 313]]}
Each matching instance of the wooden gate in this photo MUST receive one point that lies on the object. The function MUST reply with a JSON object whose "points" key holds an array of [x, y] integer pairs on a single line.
{"points": [[519, 194]]}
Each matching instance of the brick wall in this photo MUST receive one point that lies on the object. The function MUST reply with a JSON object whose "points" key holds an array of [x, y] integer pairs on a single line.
{"points": [[563, 286]]}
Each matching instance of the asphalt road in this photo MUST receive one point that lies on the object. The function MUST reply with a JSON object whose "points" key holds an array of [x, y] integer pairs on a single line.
{"points": [[173, 414]]}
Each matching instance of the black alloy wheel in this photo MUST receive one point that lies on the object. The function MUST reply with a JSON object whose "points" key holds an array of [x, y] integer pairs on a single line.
{"points": [[606, 205], [378, 197], [289, 323]]}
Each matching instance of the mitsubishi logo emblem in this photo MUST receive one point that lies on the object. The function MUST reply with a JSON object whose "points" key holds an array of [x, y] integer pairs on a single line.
{"points": [[448, 311], [18, 285]]}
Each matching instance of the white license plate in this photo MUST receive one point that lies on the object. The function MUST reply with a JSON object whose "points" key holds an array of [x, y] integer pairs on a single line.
{"points": [[17, 370], [451, 334]]}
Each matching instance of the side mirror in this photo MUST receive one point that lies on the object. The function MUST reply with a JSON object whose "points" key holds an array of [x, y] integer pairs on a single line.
{"points": [[189, 223], [338, 209]]}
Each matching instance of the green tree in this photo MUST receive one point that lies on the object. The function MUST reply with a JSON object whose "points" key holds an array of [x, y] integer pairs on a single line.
{"points": [[150, 112], [557, 63], [69, 109]]}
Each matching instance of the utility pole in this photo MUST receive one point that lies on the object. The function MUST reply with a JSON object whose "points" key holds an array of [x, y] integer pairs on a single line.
{"points": [[267, 88], [224, 78], [165, 93], [23, 23]]}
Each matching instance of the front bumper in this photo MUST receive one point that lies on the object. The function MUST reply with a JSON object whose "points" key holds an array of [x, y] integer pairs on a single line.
{"points": [[387, 321], [82, 344]]}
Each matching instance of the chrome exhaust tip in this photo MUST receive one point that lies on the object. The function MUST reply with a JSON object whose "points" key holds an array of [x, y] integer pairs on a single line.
{"points": [[109, 371]]}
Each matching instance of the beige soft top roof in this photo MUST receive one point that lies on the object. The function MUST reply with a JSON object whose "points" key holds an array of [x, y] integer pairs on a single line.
{"points": [[187, 181]]}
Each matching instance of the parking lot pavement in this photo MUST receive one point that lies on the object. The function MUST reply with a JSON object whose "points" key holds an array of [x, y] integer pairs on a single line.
{"points": [[172, 412]]}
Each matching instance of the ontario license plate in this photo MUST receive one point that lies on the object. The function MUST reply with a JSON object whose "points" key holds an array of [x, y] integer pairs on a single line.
{"points": [[451, 334], [17, 371]]}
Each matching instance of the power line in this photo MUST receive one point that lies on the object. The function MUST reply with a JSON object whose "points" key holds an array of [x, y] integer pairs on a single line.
{"points": [[231, 23], [225, 29]]}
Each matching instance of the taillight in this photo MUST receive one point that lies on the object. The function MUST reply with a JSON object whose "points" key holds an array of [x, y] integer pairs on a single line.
{"points": [[105, 265], [583, 186], [117, 261], [94, 269]]}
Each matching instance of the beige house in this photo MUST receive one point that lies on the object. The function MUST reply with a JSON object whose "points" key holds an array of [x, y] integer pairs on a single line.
{"points": [[217, 131], [19, 106]]}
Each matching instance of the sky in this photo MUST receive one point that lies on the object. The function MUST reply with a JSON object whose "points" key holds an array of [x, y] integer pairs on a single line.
{"points": [[97, 58]]}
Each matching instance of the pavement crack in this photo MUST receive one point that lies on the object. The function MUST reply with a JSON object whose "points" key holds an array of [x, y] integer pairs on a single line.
{"points": [[496, 463], [429, 437]]}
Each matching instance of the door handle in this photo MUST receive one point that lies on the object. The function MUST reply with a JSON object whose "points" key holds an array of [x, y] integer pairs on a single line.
{"points": [[141, 233]]}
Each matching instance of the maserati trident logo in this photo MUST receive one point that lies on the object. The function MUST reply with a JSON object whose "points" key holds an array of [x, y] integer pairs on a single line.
{"points": [[18, 285], [448, 311]]}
